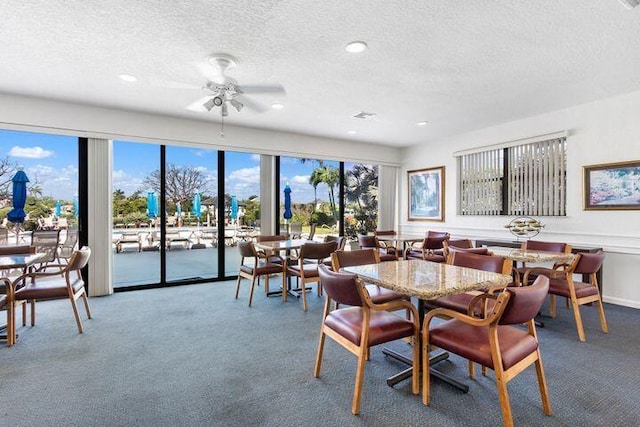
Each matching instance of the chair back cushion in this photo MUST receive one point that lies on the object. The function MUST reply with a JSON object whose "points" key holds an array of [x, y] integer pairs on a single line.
{"points": [[479, 251], [79, 259], [247, 249], [524, 302], [317, 251], [491, 263], [367, 241], [434, 242], [589, 263], [460, 244], [384, 233], [536, 245], [356, 257], [340, 287]]}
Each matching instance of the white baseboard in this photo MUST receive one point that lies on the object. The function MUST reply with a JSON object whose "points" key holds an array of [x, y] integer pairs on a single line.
{"points": [[621, 301]]}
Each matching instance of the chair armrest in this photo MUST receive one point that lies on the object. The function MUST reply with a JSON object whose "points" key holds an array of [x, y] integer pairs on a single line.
{"points": [[445, 312], [543, 272], [481, 298]]}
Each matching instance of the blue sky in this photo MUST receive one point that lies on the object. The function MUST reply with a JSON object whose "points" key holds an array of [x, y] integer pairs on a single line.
{"points": [[51, 161]]}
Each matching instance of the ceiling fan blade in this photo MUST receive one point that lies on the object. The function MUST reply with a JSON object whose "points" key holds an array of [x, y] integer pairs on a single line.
{"points": [[252, 105], [257, 89], [197, 105]]}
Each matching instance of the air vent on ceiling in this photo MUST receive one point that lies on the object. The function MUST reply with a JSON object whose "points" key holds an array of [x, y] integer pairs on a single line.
{"points": [[630, 4], [363, 115]]}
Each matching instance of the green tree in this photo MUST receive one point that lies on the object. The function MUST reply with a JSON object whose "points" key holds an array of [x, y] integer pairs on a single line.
{"points": [[361, 193]]}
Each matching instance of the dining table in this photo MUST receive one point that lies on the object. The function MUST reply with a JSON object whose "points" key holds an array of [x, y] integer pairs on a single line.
{"points": [[426, 280], [23, 262], [405, 239], [286, 246]]}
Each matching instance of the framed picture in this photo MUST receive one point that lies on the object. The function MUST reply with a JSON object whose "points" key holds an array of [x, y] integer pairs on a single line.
{"points": [[612, 186], [426, 194]]}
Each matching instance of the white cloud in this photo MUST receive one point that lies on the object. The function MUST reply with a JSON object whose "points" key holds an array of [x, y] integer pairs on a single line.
{"points": [[251, 175], [301, 179], [30, 152], [255, 157]]}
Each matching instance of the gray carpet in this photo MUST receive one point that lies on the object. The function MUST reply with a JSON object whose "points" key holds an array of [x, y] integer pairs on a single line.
{"points": [[194, 356]]}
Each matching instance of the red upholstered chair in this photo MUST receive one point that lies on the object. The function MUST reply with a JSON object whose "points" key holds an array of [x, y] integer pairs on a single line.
{"points": [[462, 245], [311, 256], [461, 302], [430, 249], [578, 293], [492, 341], [371, 242], [387, 246], [535, 245], [378, 294], [361, 324], [65, 283], [262, 265]]}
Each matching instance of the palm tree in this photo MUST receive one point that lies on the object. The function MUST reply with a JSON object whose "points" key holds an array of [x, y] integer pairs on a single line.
{"points": [[315, 179], [331, 176]]}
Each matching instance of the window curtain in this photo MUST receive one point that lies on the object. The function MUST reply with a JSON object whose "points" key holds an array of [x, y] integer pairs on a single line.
{"points": [[99, 216], [387, 197]]}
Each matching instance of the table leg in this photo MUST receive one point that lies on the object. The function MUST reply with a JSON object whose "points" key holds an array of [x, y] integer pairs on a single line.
{"points": [[439, 357]]}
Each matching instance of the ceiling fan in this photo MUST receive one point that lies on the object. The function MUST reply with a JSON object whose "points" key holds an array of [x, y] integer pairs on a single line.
{"points": [[225, 90]]}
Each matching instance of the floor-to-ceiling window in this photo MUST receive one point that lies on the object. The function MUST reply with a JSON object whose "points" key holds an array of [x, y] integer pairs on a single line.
{"points": [[314, 186], [136, 232], [361, 199], [191, 196], [241, 204], [50, 163]]}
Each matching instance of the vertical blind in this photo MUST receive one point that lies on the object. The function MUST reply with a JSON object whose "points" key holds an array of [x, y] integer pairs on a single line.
{"points": [[527, 179]]}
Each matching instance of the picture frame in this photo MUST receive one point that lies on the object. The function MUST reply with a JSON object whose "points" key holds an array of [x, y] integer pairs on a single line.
{"points": [[426, 194], [612, 186]]}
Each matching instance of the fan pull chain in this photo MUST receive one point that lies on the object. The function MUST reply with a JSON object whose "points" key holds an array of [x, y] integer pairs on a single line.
{"points": [[222, 127]]}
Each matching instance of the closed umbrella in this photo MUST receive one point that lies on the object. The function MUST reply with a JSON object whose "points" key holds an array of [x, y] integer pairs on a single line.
{"points": [[152, 205], [19, 195], [76, 207], [287, 202], [58, 209], [234, 208], [197, 207], [178, 209]]}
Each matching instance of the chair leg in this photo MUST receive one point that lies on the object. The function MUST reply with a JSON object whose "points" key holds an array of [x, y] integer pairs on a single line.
{"points": [[303, 286], [426, 385], [505, 406], [74, 306], [284, 286], [253, 283], [542, 385], [603, 320], [238, 286], [415, 377], [578, 317], [24, 313], [357, 390], [472, 370], [266, 283], [85, 299], [33, 312], [318, 366], [552, 306]]}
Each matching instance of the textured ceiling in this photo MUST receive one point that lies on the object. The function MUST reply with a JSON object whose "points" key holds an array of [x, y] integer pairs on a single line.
{"points": [[458, 64]]}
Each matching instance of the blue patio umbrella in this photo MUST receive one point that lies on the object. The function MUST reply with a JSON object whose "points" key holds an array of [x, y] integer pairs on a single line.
{"points": [[287, 202], [152, 204], [58, 209], [19, 195], [234, 208], [197, 207], [76, 207], [178, 209]]}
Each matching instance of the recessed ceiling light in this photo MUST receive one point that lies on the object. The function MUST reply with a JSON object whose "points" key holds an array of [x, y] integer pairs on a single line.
{"points": [[352, 132], [422, 123], [277, 106], [127, 78], [356, 47]]}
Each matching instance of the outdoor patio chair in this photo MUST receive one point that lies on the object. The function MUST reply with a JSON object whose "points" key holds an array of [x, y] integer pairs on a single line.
{"points": [[128, 238], [46, 242], [69, 245]]}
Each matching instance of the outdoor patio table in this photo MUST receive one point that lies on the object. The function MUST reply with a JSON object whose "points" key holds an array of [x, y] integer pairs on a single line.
{"points": [[426, 280]]}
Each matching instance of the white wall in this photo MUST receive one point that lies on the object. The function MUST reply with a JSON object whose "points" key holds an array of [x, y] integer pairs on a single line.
{"points": [[39, 115], [599, 132]]}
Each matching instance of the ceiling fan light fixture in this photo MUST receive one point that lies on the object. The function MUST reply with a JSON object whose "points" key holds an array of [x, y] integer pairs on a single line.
{"points": [[356, 47], [237, 104], [209, 104]]}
